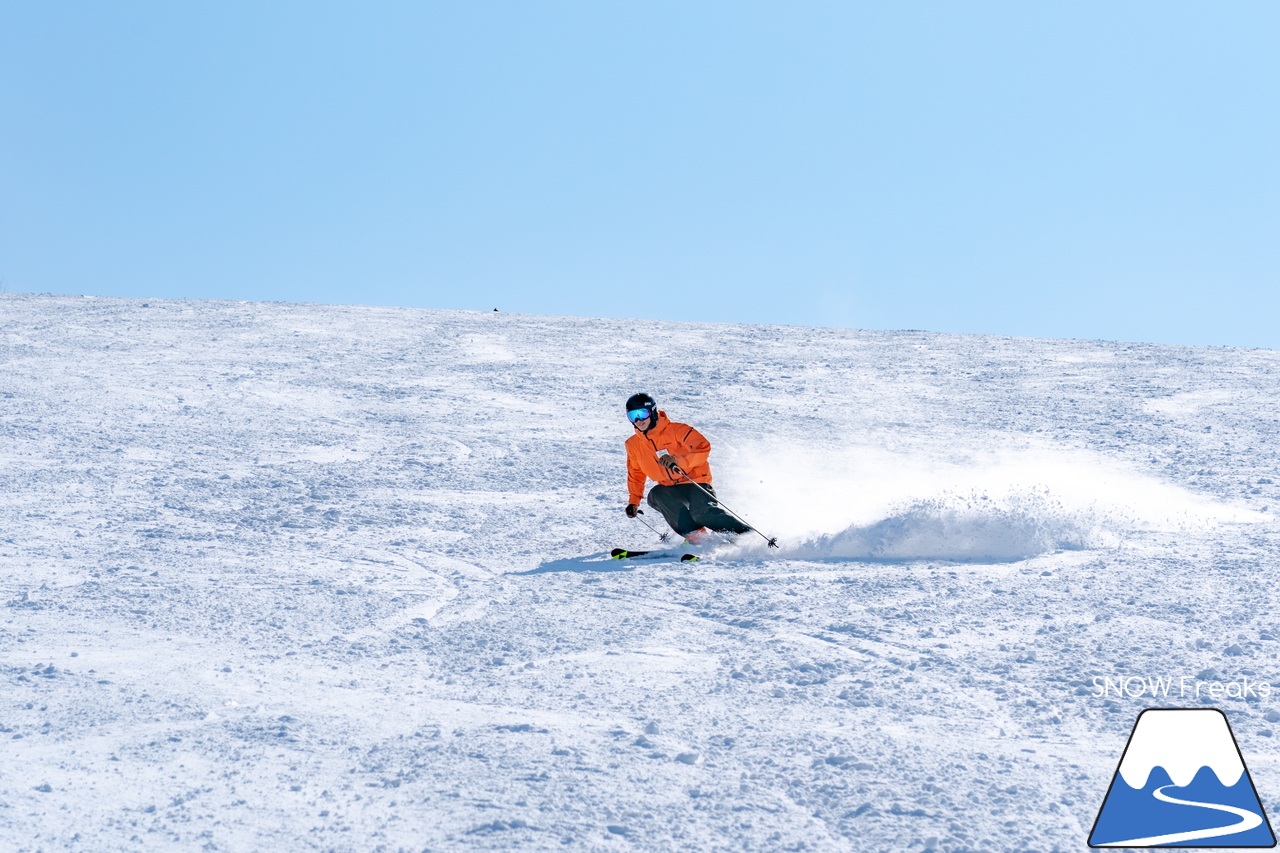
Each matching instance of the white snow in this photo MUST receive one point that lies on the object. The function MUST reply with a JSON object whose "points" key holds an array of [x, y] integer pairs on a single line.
{"points": [[1181, 742], [270, 579]]}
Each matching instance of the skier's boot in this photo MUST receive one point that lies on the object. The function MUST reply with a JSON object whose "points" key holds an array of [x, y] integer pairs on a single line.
{"points": [[698, 537]]}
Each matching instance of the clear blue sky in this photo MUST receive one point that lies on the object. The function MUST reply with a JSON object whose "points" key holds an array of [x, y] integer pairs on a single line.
{"points": [[1049, 169]]}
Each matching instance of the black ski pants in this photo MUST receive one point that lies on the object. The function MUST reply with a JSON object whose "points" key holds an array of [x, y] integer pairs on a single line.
{"points": [[686, 507]]}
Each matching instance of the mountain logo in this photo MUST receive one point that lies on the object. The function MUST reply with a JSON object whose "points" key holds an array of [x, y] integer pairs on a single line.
{"points": [[1182, 782]]}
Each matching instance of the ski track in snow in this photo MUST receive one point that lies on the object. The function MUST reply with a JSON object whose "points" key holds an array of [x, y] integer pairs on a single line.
{"points": [[262, 576], [1247, 820]]}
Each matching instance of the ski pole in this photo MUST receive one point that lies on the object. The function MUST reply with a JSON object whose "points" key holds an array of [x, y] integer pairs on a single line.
{"points": [[773, 541], [662, 537]]}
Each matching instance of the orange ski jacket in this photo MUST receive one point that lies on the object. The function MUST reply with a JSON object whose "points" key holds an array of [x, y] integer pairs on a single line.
{"points": [[682, 441]]}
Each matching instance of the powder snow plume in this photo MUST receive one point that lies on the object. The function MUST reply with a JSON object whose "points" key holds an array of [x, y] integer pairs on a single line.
{"points": [[993, 504], [972, 527]]}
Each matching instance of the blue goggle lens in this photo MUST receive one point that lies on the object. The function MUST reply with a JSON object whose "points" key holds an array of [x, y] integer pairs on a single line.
{"points": [[637, 415]]}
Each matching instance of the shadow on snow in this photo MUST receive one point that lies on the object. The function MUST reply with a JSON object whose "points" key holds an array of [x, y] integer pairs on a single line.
{"points": [[591, 563]]}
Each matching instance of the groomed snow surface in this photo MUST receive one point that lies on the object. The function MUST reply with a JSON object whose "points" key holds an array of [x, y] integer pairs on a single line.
{"points": [[269, 580]]}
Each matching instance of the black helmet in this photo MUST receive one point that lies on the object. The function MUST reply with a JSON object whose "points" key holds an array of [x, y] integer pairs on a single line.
{"points": [[638, 403]]}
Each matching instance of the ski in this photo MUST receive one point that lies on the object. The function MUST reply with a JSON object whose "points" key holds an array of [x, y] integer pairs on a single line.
{"points": [[624, 554]]}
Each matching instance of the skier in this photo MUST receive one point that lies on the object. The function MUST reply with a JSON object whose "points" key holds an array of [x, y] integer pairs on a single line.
{"points": [[674, 455]]}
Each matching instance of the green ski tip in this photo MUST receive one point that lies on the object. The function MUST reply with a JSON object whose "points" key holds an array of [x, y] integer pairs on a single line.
{"points": [[623, 553]]}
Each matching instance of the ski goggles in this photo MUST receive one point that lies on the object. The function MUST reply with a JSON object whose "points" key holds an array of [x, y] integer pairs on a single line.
{"points": [[637, 415]]}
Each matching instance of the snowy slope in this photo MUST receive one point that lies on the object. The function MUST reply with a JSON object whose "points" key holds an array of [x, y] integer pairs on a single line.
{"points": [[301, 577]]}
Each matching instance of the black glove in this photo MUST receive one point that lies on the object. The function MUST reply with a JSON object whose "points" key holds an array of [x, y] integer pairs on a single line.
{"points": [[669, 462], [632, 510]]}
